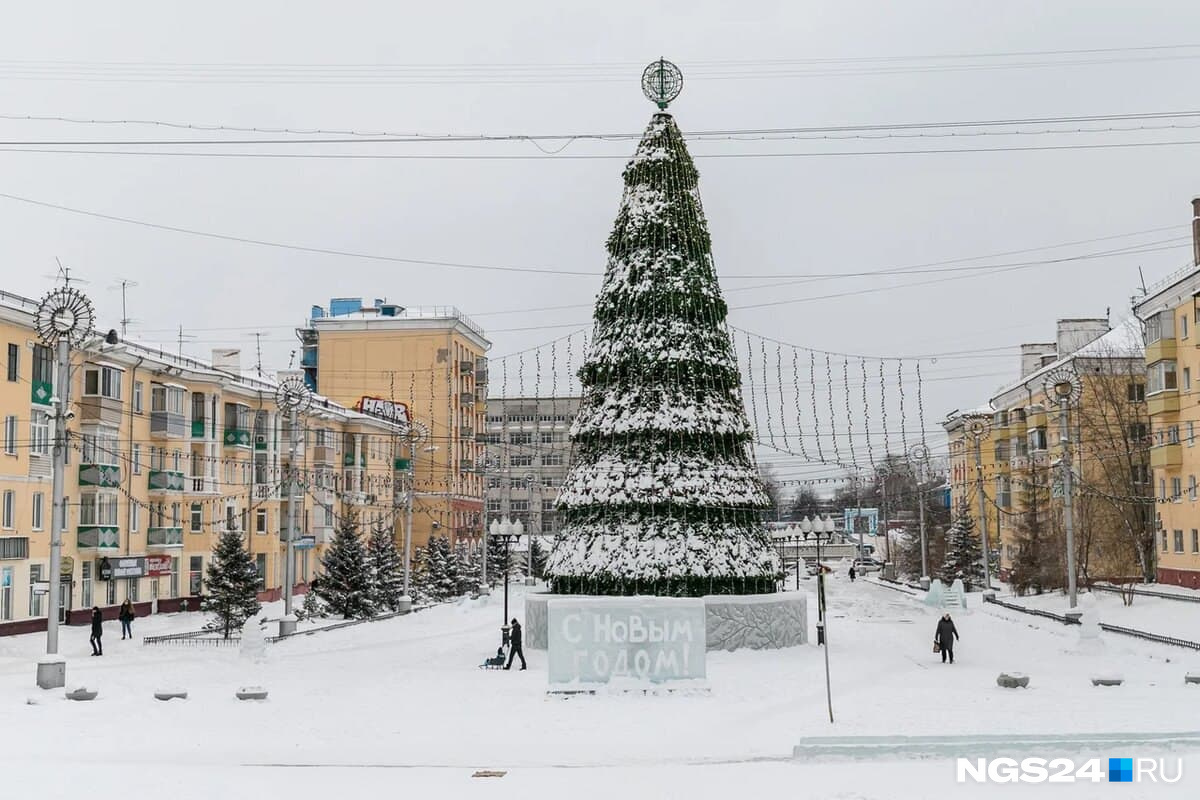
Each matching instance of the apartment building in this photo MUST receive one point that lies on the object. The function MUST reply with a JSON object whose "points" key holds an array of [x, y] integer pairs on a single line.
{"points": [[164, 454], [528, 455], [1170, 312], [430, 362], [1016, 460]]}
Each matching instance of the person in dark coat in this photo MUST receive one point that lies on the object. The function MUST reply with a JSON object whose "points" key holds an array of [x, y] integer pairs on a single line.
{"points": [[97, 631], [852, 573], [126, 617], [945, 635], [514, 644]]}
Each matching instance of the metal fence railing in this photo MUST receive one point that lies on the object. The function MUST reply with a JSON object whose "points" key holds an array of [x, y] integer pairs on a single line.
{"points": [[1104, 587], [1145, 635], [214, 638]]}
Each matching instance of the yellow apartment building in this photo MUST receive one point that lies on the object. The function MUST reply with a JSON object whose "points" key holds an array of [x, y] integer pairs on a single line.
{"points": [[1170, 312], [1022, 448], [164, 454], [431, 362]]}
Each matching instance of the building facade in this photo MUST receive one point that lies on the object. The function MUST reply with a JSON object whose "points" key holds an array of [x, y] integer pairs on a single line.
{"points": [[163, 455], [528, 455], [1170, 313], [432, 362], [1015, 463]]}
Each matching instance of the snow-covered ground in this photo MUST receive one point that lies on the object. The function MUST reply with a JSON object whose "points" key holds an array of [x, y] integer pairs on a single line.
{"points": [[400, 705]]}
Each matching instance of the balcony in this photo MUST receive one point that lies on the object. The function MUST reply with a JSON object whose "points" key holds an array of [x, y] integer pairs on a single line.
{"points": [[267, 491], [1019, 462], [466, 368], [348, 459], [161, 480], [481, 377], [466, 432], [1163, 348], [401, 464], [466, 465], [1165, 402], [237, 437], [101, 538], [322, 454], [103, 475], [198, 428], [40, 392], [324, 534], [164, 538], [165, 425], [358, 499], [198, 484], [1167, 456], [466, 398]]}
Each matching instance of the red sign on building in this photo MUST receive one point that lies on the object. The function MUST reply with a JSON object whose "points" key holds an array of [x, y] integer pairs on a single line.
{"points": [[158, 565]]}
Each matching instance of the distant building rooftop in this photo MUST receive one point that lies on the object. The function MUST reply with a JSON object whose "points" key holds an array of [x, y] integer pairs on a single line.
{"points": [[352, 309]]}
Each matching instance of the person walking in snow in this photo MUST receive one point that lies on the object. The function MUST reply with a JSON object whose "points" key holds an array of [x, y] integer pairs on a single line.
{"points": [[852, 573], [97, 631], [944, 637], [126, 618], [514, 644]]}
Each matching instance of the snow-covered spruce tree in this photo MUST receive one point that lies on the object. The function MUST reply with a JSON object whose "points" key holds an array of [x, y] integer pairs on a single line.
{"points": [[539, 557], [964, 553], [466, 570], [231, 591], [345, 580], [663, 496], [387, 570]]}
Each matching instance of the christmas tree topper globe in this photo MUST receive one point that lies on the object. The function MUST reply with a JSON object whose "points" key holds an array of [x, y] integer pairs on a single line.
{"points": [[661, 82]]}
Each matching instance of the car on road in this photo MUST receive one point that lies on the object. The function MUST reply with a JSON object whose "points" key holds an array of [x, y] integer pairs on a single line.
{"points": [[867, 565]]}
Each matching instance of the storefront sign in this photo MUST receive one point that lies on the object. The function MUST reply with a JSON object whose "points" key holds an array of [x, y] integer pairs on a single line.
{"points": [[385, 409], [158, 565], [652, 639], [40, 587], [114, 568], [67, 565]]}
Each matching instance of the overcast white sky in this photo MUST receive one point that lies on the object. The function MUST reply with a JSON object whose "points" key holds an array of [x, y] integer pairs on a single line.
{"points": [[767, 216]]}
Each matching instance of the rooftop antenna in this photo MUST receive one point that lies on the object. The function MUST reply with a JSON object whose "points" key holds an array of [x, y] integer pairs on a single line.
{"points": [[124, 284], [63, 274], [1143, 277], [181, 338], [258, 337]]}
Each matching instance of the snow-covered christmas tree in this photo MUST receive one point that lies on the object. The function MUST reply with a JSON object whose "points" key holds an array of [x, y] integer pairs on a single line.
{"points": [[387, 570], [231, 591], [964, 553], [345, 581], [663, 496]]}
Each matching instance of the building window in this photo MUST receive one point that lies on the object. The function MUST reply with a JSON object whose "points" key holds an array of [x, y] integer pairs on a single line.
{"points": [[9, 510], [1003, 491], [552, 460], [135, 517], [137, 459], [35, 597], [1160, 326], [1137, 432], [197, 518], [1195, 540], [85, 591], [43, 365], [10, 435], [14, 354], [110, 593], [174, 576], [521, 461], [39, 434], [260, 520], [98, 508], [1173, 434], [1137, 392], [137, 397], [6, 593], [493, 506], [1037, 438], [549, 438], [131, 589], [1164, 541], [195, 574], [102, 382], [1176, 488], [1183, 326], [1187, 379], [1178, 541], [100, 447], [1160, 376], [547, 504], [39, 510], [176, 508], [1191, 487], [520, 438], [1191, 433], [260, 564], [519, 505]]}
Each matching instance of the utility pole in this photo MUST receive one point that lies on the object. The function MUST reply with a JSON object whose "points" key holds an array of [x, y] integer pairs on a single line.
{"points": [[292, 396], [64, 317]]}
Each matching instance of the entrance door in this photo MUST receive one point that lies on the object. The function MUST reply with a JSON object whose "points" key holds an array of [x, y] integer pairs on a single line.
{"points": [[64, 601]]}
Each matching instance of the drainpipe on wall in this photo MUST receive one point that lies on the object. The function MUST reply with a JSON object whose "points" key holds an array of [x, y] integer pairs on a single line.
{"points": [[129, 483]]}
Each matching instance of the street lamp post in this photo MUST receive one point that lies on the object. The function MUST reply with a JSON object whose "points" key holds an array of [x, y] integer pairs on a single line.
{"points": [[292, 396], [821, 529], [919, 454], [1065, 387], [507, 532], [978, 430]]}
